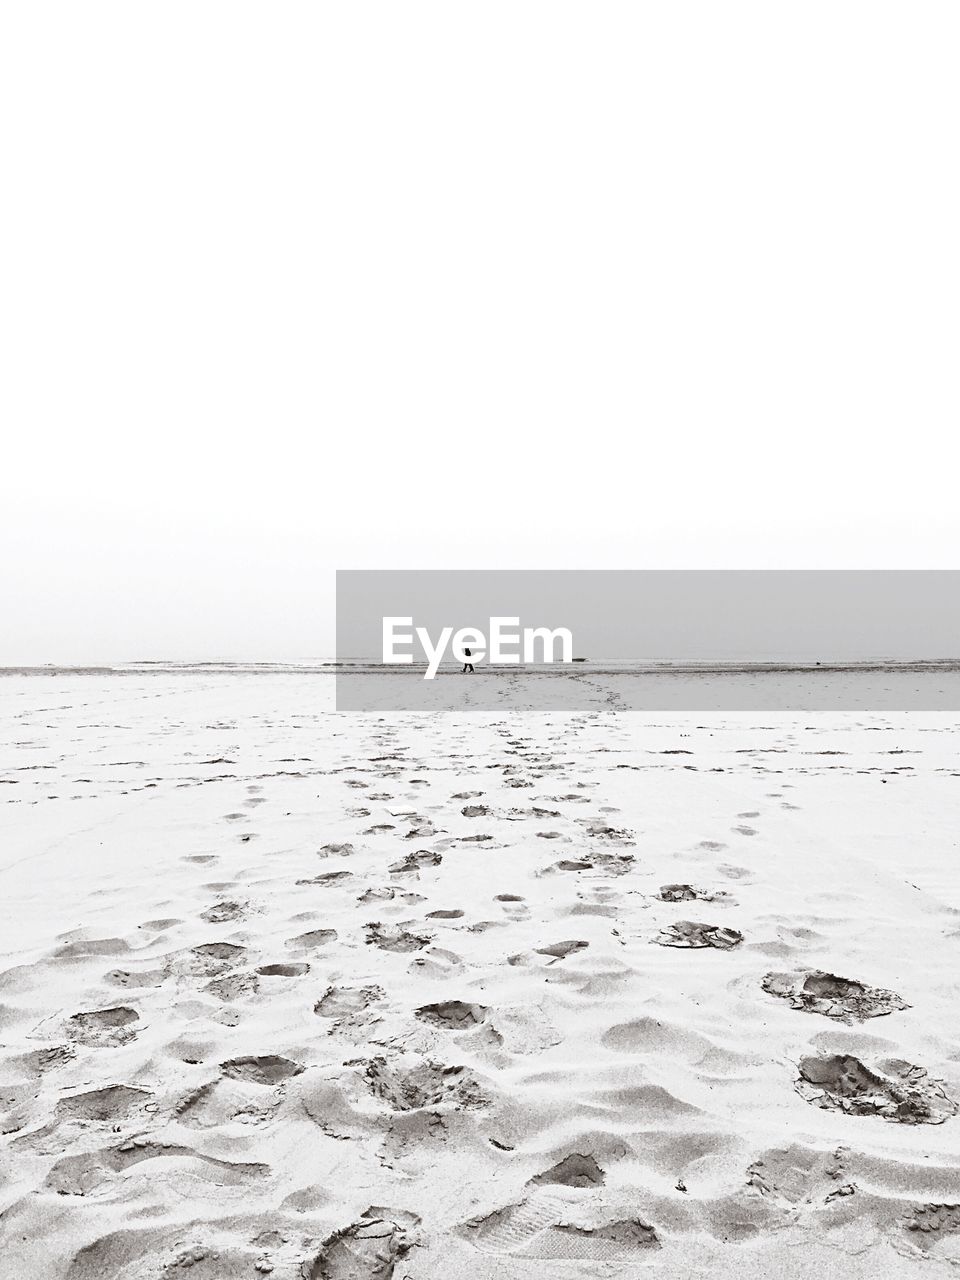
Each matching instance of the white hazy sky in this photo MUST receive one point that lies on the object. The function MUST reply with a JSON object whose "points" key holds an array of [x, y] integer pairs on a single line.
{"points": [[287, 288]]}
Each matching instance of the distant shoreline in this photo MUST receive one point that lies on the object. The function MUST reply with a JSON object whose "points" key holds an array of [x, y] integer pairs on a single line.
{"points": [[582, 667]]}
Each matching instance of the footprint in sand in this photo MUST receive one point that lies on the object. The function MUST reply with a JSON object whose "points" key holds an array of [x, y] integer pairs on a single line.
{"points": [[535, 811], [834, 997], [541, 1227], [394, 939], [328, 879], [221, 912], [414, 1084], [600, 863], [233, 986], [161, 925], [801, 1175], [453, 1015], [216, 956], [312, 939], [336, 851], [78, 1112], [422, 829], [267, 1070], [692, 933], [41, 1060], [295, 969], [734, 873], [903, 1093], [557, 951], [415, 862], [436, 962], [560, 950], [347, 1002], [103, 1028], [131, 978], [599, 830], [101, 1106], [513, 905], [744, 831], [368, 1249], [687, 893], [221, 1102], [381, 894]]}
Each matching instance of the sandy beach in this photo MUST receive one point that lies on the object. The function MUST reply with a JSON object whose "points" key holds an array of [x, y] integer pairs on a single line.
{"points": [[320, 996], [480, 645]]}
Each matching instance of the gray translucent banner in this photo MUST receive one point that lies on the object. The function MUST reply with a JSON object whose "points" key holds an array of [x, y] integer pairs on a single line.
{"points": [[685, 640]]}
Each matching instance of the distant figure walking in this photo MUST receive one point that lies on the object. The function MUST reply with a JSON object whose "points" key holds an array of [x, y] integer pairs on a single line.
{"points": [[467, 666]]}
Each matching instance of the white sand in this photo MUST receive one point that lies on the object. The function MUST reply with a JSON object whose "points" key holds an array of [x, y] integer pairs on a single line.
{"points": [[163, 839]]}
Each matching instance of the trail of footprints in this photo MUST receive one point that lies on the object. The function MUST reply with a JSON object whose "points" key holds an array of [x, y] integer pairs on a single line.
{"points": [[386, 1068]]}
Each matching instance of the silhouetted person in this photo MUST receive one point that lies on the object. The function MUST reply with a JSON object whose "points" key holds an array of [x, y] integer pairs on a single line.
{"points": [[467, 666]]}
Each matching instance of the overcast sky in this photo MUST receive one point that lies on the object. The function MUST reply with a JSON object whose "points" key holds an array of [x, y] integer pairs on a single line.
{"points": [[294, 288]]}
